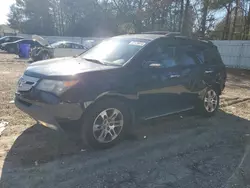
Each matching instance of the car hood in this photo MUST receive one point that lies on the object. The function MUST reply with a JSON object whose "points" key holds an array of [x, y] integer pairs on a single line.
{"points": [[64, 67], [41, 40]]}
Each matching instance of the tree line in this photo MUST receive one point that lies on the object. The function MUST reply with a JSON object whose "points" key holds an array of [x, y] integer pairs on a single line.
{"points": [[88, 18]]}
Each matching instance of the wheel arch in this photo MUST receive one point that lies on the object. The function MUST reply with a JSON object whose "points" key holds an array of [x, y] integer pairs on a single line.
{"points": [[217, 87], [126, 100]]}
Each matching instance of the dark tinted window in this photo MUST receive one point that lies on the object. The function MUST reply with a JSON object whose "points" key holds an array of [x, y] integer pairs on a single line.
{"points": [[77, 46], [60, 45], [185, 56], [162, 54], [12, 39], [169, 54], [200, 56], [212, 56], [67, 45], [26, 42]]}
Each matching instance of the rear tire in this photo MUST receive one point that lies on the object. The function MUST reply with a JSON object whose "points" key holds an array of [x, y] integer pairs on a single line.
{"points": [[105, 124], [209, 104]]}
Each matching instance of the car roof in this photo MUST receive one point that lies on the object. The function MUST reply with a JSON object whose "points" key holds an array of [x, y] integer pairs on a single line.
{"points": [[152, 36]]}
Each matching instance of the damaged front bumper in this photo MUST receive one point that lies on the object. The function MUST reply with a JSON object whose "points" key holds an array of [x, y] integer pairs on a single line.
{"points": [[49, 115]]}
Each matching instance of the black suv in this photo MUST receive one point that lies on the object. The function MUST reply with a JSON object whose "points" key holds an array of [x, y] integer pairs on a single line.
{"points": [[122, 80]]}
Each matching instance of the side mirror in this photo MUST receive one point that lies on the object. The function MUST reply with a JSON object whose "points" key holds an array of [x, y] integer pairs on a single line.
{"points": [[151, 64]]}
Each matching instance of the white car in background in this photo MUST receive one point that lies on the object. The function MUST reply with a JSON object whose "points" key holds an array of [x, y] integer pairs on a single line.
{"points": [[66, 48], [55, 50]]}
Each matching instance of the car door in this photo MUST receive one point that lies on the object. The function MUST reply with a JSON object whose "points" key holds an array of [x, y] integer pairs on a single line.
{"points": [[213, 68], [59, 50], [187, 57], [63, 49], [162, 82]]}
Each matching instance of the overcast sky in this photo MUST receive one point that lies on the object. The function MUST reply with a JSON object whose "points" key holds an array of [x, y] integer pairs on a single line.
{"points": [[4, 10]]}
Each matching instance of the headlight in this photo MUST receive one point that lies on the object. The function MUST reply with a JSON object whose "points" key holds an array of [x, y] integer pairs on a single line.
{"points": [[56, 87]]}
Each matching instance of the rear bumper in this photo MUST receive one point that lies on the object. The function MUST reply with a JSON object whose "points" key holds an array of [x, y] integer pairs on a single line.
{"points": [[49, 115]]}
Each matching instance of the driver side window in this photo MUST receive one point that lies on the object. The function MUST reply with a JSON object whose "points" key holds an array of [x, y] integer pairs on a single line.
{"points": [[60, 45], [162, 55]]}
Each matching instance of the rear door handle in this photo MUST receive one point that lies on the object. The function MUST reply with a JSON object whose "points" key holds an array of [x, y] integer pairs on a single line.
{"points": [[175, 76]]}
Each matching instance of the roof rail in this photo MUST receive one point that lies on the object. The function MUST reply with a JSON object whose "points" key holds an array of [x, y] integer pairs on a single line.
{"points": [[166, 33], [207, 41], [156, 32], [173, 34]]}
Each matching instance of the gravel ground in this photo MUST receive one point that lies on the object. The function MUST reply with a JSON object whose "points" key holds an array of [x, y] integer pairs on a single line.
{"points": [[179, 151]]}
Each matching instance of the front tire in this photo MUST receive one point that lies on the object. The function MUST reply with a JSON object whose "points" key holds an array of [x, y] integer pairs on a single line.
{"points": [[209, 104], [105, 124]]}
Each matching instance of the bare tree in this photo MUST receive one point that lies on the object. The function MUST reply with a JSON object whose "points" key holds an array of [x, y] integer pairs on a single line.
{"points": [[181, 15], [235, 18], [185, 20], [204, 17]]}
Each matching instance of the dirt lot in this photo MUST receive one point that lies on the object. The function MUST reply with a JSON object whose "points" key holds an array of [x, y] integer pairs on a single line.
{"points": [[181, 151]]}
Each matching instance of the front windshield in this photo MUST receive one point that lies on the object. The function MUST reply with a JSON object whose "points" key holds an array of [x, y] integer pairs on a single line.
{"points": [[116, 51]]}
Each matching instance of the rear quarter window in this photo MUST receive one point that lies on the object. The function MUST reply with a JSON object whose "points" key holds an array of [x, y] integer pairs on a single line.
{"points": [[212, 56]]}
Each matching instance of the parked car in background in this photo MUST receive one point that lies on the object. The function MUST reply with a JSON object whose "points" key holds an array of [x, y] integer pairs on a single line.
{"points": [[58, 49], [9, 39], [122, 80], [91, 43], [13, 47], [66, 48]]}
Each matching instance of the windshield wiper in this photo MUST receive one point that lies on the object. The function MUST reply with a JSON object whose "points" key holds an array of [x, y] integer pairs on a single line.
{"points": [[94, 61]]}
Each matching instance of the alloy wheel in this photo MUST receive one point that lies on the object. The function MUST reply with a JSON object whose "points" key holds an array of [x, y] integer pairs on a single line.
{"points": [[211, 101], [108, 125]]}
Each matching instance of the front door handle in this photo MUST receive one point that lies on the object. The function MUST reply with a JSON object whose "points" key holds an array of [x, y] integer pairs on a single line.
{"points": [[175, 76], [208, 71]]}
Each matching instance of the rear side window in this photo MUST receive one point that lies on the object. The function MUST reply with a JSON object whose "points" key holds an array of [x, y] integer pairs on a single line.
{"points": [[67, 45], [59, 45], [200, 56], [77, 46], [27, 42], [185, 56], [12, 39], [162, 54], [212, 56]]}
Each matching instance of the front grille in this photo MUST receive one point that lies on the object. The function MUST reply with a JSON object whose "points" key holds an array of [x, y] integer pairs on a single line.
{"points": [[25, 83]]}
